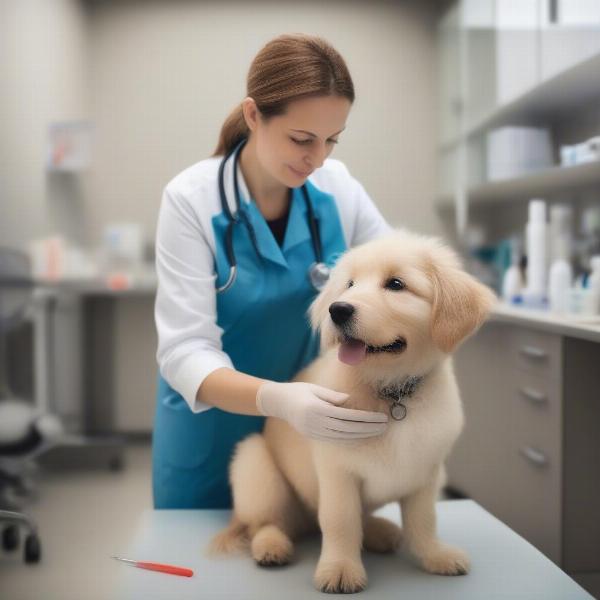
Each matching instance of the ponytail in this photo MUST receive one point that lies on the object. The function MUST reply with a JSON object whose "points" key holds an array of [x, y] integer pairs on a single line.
{"points": [[234, 130]]}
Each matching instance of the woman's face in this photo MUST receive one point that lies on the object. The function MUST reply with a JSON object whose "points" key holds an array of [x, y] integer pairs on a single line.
{"points": [[291, 146]]}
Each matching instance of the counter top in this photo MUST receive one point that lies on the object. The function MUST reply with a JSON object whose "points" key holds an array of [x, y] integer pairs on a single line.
{"points": [[586, 328], [144, 285]]}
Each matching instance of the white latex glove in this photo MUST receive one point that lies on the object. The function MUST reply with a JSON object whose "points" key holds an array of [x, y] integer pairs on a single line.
{"points": [[312, 411]]}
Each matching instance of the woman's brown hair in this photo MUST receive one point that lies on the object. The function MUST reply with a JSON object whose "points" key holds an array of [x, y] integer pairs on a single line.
{"points": [[286, 69]]}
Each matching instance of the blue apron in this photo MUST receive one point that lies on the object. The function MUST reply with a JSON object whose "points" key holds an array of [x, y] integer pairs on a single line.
{"points": [[266, 333]]}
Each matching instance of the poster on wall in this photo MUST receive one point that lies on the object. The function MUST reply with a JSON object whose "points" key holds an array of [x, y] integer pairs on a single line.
{"points": [[69, 146]]}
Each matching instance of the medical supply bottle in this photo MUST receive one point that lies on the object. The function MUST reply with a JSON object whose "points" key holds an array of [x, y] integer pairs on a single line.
{"points": [[561, 278], [594, 284], [560, 232], [535, 292], [512, 283]]}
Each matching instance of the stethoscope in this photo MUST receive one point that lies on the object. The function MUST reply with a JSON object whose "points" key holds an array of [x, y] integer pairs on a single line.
{"points": [[318, 272]]}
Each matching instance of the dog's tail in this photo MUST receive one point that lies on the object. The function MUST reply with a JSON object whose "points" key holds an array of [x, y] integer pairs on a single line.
{"points": [[234, 538]]}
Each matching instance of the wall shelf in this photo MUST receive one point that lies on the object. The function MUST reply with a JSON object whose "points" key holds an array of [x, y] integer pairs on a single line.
{"points": [[539, 183], [559, 95], [556, 96]]}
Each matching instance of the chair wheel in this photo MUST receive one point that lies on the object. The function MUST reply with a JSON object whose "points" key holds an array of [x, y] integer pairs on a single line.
{"points": [[33, 549], [10, 537]]}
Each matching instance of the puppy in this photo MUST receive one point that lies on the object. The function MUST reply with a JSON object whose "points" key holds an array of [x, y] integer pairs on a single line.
{"points": [[390, 316]]}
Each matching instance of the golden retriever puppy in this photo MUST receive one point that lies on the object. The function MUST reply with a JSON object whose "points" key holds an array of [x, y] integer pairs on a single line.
{"points": [[390, 316]]}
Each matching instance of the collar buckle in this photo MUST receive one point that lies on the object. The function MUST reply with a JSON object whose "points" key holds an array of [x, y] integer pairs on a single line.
{"points": [[399, 393], [398, 410]]}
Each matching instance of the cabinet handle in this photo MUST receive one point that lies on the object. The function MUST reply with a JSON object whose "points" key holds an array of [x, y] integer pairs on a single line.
{"points": [[533, 395], [534, 456], [533, 352]]}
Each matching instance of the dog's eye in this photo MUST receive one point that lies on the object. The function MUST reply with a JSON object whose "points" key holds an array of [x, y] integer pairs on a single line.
{"points": [[395, 284], [350, 283]]}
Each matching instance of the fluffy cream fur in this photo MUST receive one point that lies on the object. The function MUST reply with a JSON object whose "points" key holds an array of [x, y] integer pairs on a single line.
{"points": [[285, 485]]}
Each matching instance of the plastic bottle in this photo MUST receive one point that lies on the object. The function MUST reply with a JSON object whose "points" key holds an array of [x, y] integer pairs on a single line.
{"points": [[535, 292], [561, 278], [560, 231], [512, 282], [594, 285]]}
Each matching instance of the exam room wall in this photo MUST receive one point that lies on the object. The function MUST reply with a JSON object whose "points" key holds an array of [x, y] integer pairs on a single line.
{"points": [[166, 74], [157, 78], [44, 77]]}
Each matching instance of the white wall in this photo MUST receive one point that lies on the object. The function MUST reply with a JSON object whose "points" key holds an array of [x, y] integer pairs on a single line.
{"points": [[157, 78], [166, 74], [43, 78]]}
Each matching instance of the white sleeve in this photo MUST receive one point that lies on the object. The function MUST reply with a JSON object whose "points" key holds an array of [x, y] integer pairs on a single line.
{"points": [[368, 221], [360, 219], [189, 339]]}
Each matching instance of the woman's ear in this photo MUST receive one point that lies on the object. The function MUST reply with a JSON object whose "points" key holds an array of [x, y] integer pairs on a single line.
{"points": [[251, 113], [460, 304]]}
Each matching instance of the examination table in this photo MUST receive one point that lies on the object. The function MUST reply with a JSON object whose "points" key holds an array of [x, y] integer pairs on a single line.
{"points": [[503, 565]]}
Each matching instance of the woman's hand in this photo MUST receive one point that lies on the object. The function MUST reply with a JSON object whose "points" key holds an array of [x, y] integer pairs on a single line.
{"points": [[312, 410]]}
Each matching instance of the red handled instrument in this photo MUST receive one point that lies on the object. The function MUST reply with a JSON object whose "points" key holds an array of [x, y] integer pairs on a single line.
{"points": [[152, 566]]}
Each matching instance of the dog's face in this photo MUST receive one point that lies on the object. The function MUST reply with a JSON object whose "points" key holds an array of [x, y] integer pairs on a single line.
{"points": [[401, 299]]}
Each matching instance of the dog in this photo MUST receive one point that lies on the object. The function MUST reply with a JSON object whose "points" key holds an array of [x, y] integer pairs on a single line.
{"points": [[390, 316]]}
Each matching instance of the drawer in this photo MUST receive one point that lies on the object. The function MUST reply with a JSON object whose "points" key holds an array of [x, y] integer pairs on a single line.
{"points": [[536, 411], [535, 352], [536, 458], [535, 478]]}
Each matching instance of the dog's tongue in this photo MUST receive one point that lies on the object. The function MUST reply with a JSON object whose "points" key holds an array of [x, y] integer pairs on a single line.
{"points": [[352, 352]]}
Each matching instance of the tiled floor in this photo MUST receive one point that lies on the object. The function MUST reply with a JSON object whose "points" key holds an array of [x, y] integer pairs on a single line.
{"points": [[84, 516]]}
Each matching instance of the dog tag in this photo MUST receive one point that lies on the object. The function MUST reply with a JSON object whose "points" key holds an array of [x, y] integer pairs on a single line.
{"points": [[398, 411]]}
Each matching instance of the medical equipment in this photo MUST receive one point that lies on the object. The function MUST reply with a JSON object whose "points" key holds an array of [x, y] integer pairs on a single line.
{"points": [[318, 272], [24, 432], [151, 566]]}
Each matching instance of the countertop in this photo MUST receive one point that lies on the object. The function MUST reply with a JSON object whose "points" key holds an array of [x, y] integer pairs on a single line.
{"points": [[587, 328]]}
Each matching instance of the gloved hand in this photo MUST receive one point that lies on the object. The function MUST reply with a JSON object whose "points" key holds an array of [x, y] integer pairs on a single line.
{"points": [[312, 411]]}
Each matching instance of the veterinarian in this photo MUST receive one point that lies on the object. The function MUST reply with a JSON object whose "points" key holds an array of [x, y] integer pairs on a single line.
{"points": [[244, 241]]}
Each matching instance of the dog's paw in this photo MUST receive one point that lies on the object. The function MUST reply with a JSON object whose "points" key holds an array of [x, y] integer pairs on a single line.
{"points": [[381, 535], [340, 576], [446, 560], [270, 547]]}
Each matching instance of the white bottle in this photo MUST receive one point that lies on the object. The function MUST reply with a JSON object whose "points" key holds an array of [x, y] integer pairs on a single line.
{"points": [[561, 278], [535, 292], [560, 226], [594, 286], [512, 284]]}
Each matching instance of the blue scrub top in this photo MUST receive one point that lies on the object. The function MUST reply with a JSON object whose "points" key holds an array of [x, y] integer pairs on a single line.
{"points": [[266, 333]]}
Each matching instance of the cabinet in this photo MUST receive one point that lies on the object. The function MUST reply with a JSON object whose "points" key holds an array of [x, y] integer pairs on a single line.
{"points": [[530, 452], [515, 63]]}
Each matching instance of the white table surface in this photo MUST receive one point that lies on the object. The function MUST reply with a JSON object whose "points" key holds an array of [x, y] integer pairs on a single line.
{"points": [[503, 565]]}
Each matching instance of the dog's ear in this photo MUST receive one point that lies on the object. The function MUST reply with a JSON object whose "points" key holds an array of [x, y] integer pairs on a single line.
{"points": [[319, 311], [460, 303]]}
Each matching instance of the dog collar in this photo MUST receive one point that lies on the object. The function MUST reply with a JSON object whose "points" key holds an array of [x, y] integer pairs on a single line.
{"points": [[398, 393]]}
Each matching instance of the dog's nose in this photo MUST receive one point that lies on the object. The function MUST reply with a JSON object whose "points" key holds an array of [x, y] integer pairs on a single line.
{"points": [[341, 312]]}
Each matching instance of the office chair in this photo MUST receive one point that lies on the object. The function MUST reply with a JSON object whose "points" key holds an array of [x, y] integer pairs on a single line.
{"points": [[24, 432]]}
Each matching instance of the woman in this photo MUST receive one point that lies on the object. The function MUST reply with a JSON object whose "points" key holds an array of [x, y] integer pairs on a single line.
{"points": [[236, 269]]}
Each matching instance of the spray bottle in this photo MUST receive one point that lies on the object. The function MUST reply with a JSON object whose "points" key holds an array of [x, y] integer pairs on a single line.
{"points": [[534, 294]]}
